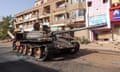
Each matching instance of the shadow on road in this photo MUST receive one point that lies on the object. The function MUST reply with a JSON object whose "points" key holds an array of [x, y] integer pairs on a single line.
{"points": [[84, 52], [68, 56], [23, 66]]}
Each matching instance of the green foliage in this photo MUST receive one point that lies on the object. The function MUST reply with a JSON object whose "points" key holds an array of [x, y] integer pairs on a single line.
{"points": [[1, 34], [83, 40], [5, 26]]}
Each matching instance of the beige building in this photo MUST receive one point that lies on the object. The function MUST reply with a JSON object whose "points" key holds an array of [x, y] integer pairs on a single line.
{"points": [[26, 19], [58, 14]]}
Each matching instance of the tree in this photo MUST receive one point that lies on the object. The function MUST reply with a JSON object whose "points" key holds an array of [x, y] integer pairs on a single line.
{"points": [[5, 26]]}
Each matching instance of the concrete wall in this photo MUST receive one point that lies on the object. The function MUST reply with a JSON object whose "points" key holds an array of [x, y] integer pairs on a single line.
{"points": [[82, 33]]}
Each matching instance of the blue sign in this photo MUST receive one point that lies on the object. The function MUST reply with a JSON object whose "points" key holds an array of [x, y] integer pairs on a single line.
{"points": [[99, 19], [116, 14]]}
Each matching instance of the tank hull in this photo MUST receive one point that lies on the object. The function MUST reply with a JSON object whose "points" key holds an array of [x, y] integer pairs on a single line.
{"points": [[54, 47]]}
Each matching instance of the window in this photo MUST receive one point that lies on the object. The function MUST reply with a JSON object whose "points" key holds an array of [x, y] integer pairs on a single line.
{"points": [[46, 9], [60, 4], [77, 1], [81, 13], [78, 13], [105, 1], [89, 3], [66, 0], [74, 1], [68, 16], [59, 17], [81, 0]]}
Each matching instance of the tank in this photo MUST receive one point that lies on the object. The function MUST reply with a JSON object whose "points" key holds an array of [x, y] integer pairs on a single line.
{"points": [[43, 44]]}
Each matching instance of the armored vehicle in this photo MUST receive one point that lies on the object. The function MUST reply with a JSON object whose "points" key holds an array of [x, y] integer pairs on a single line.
{"points": [[43, 44]]}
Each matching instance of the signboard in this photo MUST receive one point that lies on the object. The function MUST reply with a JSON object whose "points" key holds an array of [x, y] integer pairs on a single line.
{"points": [[115, 15], [99, 19]]}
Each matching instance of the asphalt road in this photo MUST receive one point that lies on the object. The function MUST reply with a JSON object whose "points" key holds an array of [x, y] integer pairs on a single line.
{"points": [[11, 61]]}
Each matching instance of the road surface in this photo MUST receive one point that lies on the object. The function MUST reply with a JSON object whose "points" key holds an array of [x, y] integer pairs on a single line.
{"points": [[84, 61]]}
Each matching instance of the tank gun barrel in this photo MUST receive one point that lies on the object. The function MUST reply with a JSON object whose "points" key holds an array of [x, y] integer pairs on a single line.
{"points": [[78, 29]]}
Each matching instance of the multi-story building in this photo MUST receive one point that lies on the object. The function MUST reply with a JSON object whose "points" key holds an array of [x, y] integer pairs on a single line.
{"points": [[58, 14], [63, 14], [26, 19], [98, 14], [115, 19]]}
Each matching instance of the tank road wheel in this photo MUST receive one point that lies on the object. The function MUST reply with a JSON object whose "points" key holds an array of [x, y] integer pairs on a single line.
{"points": [[17, 48], [17, 45], [14, 46], [76, 48], [37, 53], [24, 49], [20, 49], [44, 54], [29, 50], [41, 54]]}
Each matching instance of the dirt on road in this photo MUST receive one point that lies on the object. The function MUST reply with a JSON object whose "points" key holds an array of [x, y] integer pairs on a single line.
{"points": [[102, 45]]}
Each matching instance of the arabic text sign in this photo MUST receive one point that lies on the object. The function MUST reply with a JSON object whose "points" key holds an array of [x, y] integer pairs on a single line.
{"points": [[100, 19]]}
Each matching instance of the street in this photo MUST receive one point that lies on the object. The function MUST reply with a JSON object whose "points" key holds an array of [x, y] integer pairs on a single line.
{"points": [[84, 61]]}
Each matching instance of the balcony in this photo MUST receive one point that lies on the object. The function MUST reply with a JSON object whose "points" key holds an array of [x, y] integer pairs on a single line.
{"points": [[19, 21], [60, 18], [27, 11], [80, 18], [59, 22], [45, 21], [28, 27], [60, 6], [46, 10], [47, 2]]}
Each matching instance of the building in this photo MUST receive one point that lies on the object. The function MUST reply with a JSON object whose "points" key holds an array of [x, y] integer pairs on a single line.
{"points": [[58, 14], [26, 19], [115, 19], [98, 14]]}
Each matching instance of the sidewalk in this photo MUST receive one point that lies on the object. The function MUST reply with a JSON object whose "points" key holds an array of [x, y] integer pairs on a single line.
{"points": [[102, 45], [6, 43], [103, 53]]}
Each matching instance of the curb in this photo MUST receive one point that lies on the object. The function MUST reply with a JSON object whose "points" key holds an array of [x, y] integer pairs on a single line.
{"points": [[106, 51], [5, 41]]}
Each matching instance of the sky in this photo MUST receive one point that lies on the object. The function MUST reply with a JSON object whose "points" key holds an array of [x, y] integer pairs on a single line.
{"points": [[11, 7]]}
